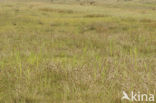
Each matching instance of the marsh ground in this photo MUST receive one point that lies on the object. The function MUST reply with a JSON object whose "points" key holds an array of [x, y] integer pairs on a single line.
{"points": [[63, 53]]}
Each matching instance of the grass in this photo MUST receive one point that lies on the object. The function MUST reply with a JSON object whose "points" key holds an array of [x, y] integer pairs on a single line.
{"points": [[63, 53]]}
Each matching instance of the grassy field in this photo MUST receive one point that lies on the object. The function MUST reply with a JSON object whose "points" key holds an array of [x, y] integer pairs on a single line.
{"points": [[63, 53]]}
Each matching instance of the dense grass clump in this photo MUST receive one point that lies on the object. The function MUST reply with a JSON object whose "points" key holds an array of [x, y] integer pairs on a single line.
{"points": [[61, 53]]}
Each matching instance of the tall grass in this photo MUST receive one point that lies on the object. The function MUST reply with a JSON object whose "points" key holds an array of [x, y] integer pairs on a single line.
{"points": [[61, 53]]}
